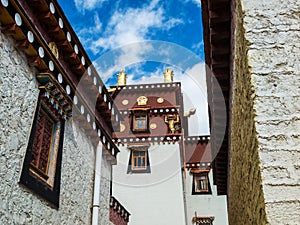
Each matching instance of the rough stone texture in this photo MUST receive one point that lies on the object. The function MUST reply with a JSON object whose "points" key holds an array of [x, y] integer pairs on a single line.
{"points": [[77, 176], [264, 166], [18, 205], [105, 194], [246, 202]]}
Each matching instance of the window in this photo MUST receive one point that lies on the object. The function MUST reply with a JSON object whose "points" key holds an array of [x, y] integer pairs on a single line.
{"points": [[139, 160], [140, 121], [46, 127], [201, 183], [41, 167]]}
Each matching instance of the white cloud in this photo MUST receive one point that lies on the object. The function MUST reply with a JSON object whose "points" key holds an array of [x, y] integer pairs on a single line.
{"points": [[86, 33], [91, 30], [83, 5], [173, 22], [98, 24], [197, 2], [193, 84], [122, 58], [195, 96], [133, 25], [142, 52], [198, 46], [129, 27], [134, 53], [149, 78], [105, 74]]}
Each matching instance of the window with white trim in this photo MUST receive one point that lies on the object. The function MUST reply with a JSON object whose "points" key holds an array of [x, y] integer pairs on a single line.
{"points": [[201, 183], [139, 160]]}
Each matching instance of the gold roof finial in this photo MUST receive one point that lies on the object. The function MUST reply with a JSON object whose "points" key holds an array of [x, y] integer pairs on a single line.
{"points": [[122, 78], [168, 76]]}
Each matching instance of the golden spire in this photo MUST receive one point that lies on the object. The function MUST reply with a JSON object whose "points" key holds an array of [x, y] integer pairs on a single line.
{"points": [[122, 78], [168, 76]]}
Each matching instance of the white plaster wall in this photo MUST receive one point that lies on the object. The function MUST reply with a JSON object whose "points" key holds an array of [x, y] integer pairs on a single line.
{"points": [[273, 33], [205, 205], [156, 197], [18, 205]]}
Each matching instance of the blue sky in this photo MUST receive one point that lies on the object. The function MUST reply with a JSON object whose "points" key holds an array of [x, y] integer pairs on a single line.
{"points": [[144, 38], [104, 24]]}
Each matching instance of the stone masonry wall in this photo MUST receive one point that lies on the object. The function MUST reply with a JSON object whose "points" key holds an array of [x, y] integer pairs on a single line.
{"points": [[245, 200], [105, 193], [272, 37], [18, 205], [274, 56]]}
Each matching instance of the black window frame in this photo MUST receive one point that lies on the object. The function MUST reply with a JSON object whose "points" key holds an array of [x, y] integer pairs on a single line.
{"points": [[138, 113], [131, 168], [34, 182], [201, 192]]}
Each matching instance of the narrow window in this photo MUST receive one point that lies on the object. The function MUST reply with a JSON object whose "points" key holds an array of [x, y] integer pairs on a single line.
{"points": [[201, 183], [139, 160], [140, 121], [42, 143], [41, 167]]}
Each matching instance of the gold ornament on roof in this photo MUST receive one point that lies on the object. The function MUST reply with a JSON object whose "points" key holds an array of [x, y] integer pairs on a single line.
{"points": [[122, 78], [142, 100], [168, 76], [53, 49], [111, 90]]}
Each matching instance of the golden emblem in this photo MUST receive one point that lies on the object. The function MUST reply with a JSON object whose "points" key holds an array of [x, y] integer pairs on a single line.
{"points": [[53, 49], [142, 100], [122, 127], [153, 126], [160, 100], [125, 102]]}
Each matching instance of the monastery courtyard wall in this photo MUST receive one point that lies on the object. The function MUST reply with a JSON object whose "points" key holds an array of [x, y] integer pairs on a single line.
{"points": [[265, 130], [18, 205]]}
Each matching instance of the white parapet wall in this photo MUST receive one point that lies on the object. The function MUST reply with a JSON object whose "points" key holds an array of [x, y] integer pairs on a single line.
{"points": [[205, 205], [155, 197]]}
